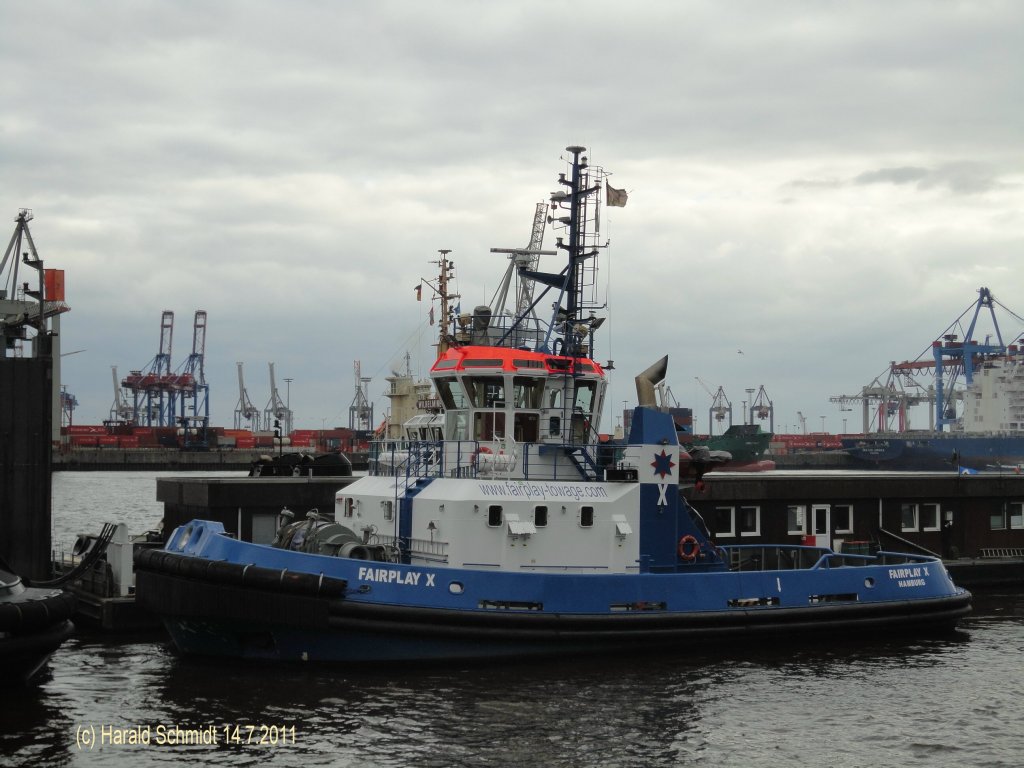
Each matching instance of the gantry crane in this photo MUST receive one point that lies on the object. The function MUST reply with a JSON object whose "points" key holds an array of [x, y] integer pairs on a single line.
{"points": [[720, 406], [153, 387], [950, 360], [121, 411], [360, 413], [277, 412], [247, 415], [761, 407], [191, 389]]}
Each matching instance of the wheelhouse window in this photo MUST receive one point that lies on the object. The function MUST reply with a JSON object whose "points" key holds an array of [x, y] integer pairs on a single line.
{"points": [[930, 517], [485, 391], [540, 516], [451, 392], [584, 400], [908, 517], [842, 518], [490, 425], [749, 521], [494, 515], [527, 392], [796, 519], [725, 521]]}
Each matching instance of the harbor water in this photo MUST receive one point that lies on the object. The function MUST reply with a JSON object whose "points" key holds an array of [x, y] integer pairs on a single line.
{"points": [[952, 701]]}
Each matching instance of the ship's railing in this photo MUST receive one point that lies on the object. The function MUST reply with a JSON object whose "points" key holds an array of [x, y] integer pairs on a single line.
{"points": [[795, 557], [523, 461]]}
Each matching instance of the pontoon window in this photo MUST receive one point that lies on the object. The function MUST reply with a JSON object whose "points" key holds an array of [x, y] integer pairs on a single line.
{"points": [[929, 517], [724, 521], [1016, 514], [750, 521], [842, 515], [908, 517], [796, 519], [997, 519]]}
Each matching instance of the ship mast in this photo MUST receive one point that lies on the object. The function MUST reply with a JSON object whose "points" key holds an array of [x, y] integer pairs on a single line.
{"points": [[446, 270]]}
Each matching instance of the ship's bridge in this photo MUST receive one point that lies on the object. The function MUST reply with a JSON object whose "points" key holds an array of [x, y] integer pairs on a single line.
{"points": [[490, 393]]}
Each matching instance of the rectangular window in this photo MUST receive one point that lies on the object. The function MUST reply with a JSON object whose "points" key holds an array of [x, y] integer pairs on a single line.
{"points": [[389, 509], [750, 521], [842, 516], [725, 521], [930, 517], [796, 519], [540, 516], [494, 515], [1016, 514], [350, 505], [997, 519], [908, 517], [586, 516]]}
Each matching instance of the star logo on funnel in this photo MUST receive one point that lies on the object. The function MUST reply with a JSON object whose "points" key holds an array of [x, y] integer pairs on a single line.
{"points": [[662, 464]]}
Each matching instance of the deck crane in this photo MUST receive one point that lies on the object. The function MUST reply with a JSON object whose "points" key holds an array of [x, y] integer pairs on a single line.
{"points": [[720, 406], [153, 387], [247, 415], [360, 413], [121, 411], [522, 261], [277, 412]]}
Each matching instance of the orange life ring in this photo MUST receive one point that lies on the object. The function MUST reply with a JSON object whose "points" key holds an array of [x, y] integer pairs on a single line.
{"points": [[688, 548]]}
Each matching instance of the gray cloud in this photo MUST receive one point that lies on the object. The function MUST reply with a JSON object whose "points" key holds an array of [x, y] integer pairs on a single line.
{"points": [[292, 168]]}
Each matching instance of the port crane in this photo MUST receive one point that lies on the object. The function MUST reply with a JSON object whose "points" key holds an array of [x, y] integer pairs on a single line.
{"points": [[720, 406], [761, 407], [952, 360], [247, 415], [153, 387], [121, 411], [277, 412], [191, 389], [360, 413]]}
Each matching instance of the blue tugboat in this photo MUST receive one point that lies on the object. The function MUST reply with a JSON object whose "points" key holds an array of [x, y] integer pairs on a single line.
{"points": [[520, 533]]}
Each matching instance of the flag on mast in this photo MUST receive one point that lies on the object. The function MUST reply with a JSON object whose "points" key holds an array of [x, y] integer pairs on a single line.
{"points": [[616, 197], [419, 291]]}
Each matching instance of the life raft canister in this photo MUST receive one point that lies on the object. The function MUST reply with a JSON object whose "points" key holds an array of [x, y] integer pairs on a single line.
{"points": [[482, 449], [689, 548]]}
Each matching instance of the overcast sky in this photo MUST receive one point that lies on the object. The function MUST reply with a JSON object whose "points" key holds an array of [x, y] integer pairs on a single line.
{"points": [[815, 189]]}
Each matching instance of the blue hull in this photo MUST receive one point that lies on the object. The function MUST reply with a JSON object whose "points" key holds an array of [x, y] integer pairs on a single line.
{"points": [[218, 596], [938, 452]]}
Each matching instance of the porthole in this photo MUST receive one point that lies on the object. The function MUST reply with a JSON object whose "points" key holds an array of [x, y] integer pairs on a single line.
{"points": [[456, 588], [869, 583]]}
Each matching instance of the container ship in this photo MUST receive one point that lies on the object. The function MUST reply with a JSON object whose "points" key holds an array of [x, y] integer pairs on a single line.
{"points": [[989, 436]]}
